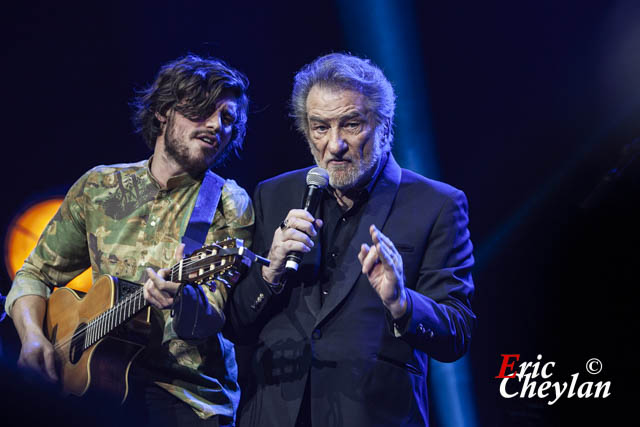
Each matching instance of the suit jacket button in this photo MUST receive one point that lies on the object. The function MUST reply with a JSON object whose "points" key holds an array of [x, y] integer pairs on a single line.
{"points": [[258, 302], [421, 329], [317, 334]]}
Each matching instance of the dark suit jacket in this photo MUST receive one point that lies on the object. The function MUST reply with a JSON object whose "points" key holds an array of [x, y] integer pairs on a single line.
{"points": [[359, 372]]}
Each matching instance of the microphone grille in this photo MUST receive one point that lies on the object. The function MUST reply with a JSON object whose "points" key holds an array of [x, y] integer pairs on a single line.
{"points": [[318, 177]]}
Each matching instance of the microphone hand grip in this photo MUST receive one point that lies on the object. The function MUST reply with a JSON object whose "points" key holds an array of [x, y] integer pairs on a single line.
{"points": [[317, 181]]}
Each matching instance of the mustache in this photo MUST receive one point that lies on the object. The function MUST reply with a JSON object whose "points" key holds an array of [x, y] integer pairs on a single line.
{"points": [[204, 134], [213, 136]]}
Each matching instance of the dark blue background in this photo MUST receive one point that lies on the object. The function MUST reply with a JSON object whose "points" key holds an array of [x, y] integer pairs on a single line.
{"points": [[530, 107]]}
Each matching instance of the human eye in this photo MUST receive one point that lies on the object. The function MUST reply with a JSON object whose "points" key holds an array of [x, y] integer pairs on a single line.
{"points": [[228, 119], [319, 127], [352, 125]]}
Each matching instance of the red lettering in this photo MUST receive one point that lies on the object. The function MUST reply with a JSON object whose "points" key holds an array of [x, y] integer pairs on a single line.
{"points": [[506, 364]]}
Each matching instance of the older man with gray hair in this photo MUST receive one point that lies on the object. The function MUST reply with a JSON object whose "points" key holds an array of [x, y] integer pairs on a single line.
{"points": [[385, 281]]}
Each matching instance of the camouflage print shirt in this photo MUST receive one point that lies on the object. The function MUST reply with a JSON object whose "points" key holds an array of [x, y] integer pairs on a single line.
{"points": [[119, 221]]}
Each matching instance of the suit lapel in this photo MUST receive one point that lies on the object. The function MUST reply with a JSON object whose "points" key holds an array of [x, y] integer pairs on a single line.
{"points": [[376, 212], [309, 272]]}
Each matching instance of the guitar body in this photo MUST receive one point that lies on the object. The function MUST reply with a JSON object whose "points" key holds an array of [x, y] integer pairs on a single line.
{"points": [[104, 366], [97, 337]]}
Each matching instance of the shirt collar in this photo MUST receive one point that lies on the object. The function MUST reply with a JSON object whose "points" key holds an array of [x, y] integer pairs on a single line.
{"points": [[182, 180]]}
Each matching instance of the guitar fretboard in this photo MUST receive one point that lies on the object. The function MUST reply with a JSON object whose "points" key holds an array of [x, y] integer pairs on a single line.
{"points": [[206, 264], [123, 311]]}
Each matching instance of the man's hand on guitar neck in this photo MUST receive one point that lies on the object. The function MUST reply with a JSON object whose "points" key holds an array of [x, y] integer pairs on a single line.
{"points": [[159, 292], [36, 353]]}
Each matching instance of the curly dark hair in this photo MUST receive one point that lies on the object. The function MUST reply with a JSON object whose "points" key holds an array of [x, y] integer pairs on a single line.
{"points": [[191, 85]]}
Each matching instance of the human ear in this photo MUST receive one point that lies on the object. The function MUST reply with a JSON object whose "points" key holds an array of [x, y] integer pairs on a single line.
{"points": [[162, 119]]}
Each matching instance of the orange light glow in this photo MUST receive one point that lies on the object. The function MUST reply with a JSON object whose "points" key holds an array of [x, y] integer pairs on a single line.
{"points": [[23, 235]]}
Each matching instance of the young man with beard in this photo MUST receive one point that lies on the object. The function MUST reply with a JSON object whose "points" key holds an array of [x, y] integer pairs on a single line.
{"points": [[385, 282], [127, 220]]}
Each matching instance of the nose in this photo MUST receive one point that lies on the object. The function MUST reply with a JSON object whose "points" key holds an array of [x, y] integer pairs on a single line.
{"points": [[337, 144], [213, 121]]}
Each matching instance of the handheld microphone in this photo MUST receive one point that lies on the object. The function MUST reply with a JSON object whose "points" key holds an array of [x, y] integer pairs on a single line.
{"points": [[317, 181]]}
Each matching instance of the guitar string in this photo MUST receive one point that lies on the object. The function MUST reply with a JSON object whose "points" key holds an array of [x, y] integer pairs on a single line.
{"points": [[105, 315], [103, 321]]}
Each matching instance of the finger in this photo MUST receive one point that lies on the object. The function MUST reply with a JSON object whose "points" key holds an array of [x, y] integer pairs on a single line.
{"points": [[385, 255], [146, 293], [364, 250], [164, 273], [158, 300], [153, 276], [370, 260], [386, 249], [158, 280], [301, 214], [179, 253], [156, 297], [164, 299], [383, 239], [50, 364], [299, 236], [167, 287], [301, 224], [295, 246], [372, 232], [279, 250]]}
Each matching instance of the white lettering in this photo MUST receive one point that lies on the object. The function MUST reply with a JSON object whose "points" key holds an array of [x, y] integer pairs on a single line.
{"points": [[523, 369], [574, 379], [559, 392], [503, 389], [531, 387], [544, 369], [553, 391], [585, 393], [544, 387], [600, 386]]}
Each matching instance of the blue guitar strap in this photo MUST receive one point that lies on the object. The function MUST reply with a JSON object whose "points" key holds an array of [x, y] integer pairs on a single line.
{"points": [[203, 212]]}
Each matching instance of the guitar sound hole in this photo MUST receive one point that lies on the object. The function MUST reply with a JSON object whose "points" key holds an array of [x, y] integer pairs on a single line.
{"points": [[76, 348]]}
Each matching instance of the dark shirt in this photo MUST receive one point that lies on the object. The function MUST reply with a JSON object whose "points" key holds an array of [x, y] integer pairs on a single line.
{"points": [[339, 228], [340, 225]]}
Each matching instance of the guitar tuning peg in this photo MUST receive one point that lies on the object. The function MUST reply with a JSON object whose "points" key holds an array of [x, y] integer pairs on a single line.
{"points": [[224, 282], [231, 278]]}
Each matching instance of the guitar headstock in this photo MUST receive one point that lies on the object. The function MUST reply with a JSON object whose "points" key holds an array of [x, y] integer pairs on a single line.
{"points": [[223, 261]]}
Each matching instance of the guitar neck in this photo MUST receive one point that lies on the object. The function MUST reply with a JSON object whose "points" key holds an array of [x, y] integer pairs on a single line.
{"points": [[123, 311], [205, 265]]}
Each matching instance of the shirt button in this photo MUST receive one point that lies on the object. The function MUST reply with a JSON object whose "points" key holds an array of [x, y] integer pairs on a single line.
{"points": [[317, 334]]}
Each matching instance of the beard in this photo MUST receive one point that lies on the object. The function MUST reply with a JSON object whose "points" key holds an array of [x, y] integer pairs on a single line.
{"points": [[357, 172], [177, 147]]}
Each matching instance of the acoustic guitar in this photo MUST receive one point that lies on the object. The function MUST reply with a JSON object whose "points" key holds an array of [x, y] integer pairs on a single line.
{"points": [[92, 353]]}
